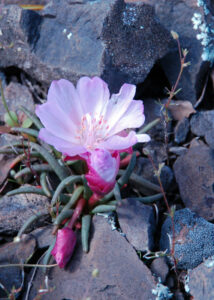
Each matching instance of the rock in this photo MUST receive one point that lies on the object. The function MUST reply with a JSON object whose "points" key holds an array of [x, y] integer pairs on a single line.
{"points": [[194, 173], [5, 163], [16, 95], [178, 150], [195, 142], [152, 110], [7, 139], [40, 2], [202, 124], [145, 169], [116, 264], [6, 160], [69, 39], [160, 268], [16, 210], [179, 295], [181, 131], [194, 238], [43, 236], [200, 281], [182, 16], [157, 151], [14, 253], [137, 222]]}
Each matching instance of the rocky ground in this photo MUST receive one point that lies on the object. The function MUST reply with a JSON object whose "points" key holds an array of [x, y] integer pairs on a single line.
{"points": [[120, 41]]}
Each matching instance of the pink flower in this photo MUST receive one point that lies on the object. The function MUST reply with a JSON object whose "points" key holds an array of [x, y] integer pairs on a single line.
{"points": [[79, 121], [64, 246], [103, 168]]}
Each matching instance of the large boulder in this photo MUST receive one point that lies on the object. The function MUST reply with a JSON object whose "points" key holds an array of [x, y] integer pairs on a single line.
{"points": [[117, 41], [193, 21]]}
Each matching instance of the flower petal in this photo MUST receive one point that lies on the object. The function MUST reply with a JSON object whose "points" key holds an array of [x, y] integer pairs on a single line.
{"points": [[63, 94], [133, 117], [56, 121], [66, 147], [119, 103], [117, 142], [93, 93], [143, 138]]}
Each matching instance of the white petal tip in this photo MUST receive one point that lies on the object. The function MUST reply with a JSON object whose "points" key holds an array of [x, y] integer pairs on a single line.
{"points": [[143, 138]]}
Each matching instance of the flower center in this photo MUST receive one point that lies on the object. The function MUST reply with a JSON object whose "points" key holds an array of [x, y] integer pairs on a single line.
{"points": [[93, 129]]}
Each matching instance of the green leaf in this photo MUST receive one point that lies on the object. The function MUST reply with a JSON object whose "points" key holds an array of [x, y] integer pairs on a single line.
{"points": [[27, 123], [11, 119]]}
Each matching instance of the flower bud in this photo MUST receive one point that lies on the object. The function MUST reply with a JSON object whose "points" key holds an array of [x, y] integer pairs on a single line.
{"points": [[103, 168], [64, 246]]}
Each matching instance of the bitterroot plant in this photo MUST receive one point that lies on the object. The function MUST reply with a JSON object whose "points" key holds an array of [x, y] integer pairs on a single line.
{"points": [[84, 137]]}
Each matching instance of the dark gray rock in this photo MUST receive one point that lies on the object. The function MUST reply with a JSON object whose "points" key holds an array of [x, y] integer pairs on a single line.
{"points": [[137, 222], [201, 280], [194, 173], [69, 39], [152, 111], [16, 95], [6, 160], [177, 15], [14, 253], [40, 2], [181, 131], [178, 150], [7, 139], [160, 268], [202, 124], [43, 236], [145, 169], [116, 264], [16, 210], [194, 238]]}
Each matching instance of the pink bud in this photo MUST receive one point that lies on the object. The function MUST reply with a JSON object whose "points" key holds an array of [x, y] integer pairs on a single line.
{"points": [[103, 168], [64, 246]]}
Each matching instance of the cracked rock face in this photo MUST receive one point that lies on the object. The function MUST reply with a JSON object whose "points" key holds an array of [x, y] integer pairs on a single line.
{"points": [[119, 42], [16, 210], [119, 272], [177, 15]]}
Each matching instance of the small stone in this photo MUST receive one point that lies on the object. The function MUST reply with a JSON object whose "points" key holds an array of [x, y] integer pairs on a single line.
{"points": [[137, 222], [16, 210], [16, 95], [195, 142], [145, 169], [202, 124], [153, 110], [178, 150], [14, 253], [181, 131], [179, 295], [160, 268], [7, 139], [194, 173], [43, 236], [201, 282], [118, 265], [194, 238]]}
